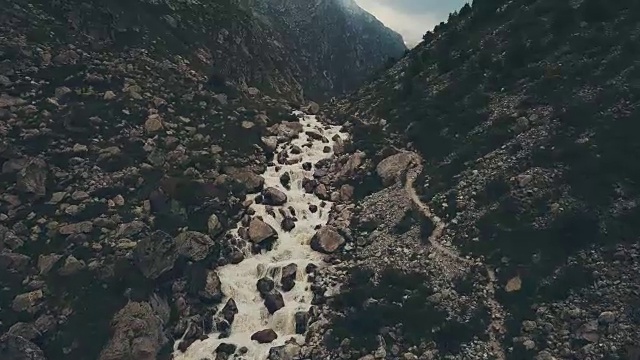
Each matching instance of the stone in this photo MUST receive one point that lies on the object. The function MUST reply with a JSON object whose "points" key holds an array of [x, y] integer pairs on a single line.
{"points": [[260, 231], [155, 254], [32, 178], [301, 319], [77, 228], [71, 266], [288, 277], [153, 124], [137, 333], [390, 168], [607, 317], [194, 245], [13, 262], [514, 284], [212, 291], [15, 347], [229, 311], [312, 108], [250, 180], [265, 286], [27, 302], [270, 143], [287, 224], [213, 225], [264, 336], [273, 196], [273, 301], [326, 240], [109, 95]]}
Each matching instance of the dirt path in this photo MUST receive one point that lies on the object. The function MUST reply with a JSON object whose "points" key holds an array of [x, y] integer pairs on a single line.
{"points": [[496, 328]]}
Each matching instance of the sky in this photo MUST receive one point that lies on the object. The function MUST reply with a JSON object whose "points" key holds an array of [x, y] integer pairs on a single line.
{"points": [[411, 18]]}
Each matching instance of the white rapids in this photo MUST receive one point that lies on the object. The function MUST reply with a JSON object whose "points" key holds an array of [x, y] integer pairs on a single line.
{"points": [[239, 280]]}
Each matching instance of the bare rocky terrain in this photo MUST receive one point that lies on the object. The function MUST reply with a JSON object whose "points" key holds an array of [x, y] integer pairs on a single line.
{"points": [[130, 134], [522, 113], [485, 205]]}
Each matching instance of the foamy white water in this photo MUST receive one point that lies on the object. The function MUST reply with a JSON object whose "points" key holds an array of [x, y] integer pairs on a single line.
{"points": [[239, 280]]}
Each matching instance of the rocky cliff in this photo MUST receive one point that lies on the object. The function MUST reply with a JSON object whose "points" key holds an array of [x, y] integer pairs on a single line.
{"points": [[336, 43], [524, 113]]}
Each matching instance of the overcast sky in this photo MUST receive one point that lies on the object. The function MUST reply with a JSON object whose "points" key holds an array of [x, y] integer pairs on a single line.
{"points": [[411, 18]]}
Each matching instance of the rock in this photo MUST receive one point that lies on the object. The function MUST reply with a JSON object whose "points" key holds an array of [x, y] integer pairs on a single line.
{"points": [[273, 196], [312, 108], [288, 351], [288, 278], [607, 317], [85, 227], [273, 301], [326, 240], [155, 254], [301, 320], [390, 168], [346, 192], [27, 302], [265, 286], [260, 231], [321, 192], [25, 330], [264, 336], [153, 124], [71, 266], [13, 262], [212, 291], [285, 180], [514, 284], [213, 225], [137, 334], [309, 185], [270, 143], [194, 245], [32, 178], [250, 180], [225, 348], [109, 95], [287, 224], [14, 347], [229, 311]]}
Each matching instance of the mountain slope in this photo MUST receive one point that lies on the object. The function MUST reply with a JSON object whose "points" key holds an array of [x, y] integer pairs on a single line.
{"points": [[525, 112], [127, 127], [337, 44]]}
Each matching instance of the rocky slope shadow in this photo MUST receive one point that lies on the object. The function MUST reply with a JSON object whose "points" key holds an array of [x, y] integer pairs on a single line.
{"points": [[119, 174], [530, 161]]}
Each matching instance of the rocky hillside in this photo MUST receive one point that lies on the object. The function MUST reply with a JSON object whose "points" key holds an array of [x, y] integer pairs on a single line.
{"points": [[325, 35], [525, 113], [130, 133]]}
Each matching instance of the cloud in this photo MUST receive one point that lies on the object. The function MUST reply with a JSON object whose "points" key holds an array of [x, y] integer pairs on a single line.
{"points": [[411, 18]]}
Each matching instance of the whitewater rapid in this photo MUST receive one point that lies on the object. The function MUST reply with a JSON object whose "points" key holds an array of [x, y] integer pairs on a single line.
{"points": [[239, 280]]}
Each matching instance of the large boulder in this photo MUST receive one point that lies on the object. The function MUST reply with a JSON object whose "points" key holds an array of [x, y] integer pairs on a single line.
{"points": [[273, 196], [390, 168], [251, 181], [32, 178], [155, 254], [194, 245], [327, 240], [14, 347], [264, 336], [137, 334], [260, 231]]}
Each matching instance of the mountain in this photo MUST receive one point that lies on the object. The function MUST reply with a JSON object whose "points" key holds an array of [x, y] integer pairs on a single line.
{"points": [[326, 35], [128, 127], [525, 114]]}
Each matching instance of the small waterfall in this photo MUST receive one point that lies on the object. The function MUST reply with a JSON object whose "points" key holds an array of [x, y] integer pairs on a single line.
{"points": [[239, 280]]}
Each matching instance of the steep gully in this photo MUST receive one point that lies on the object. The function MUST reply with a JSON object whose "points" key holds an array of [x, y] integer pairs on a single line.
{"points": [[291, 252]]}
